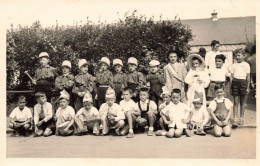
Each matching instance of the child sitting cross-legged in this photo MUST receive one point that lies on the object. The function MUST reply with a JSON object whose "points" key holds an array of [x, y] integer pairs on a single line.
{"points": [[64, 116], [199, 119], [111, 113], [87, 118]]}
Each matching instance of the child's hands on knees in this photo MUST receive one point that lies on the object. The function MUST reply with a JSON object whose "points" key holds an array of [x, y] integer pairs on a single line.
{"points": [[39, 123], [219, 123], [225, 122]]}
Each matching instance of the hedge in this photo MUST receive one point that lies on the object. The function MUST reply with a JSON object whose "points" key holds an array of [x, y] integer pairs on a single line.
{"points": [[135, 35]]}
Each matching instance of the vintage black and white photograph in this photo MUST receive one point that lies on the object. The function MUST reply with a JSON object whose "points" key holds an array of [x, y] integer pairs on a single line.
{"points": [[166, 79]]}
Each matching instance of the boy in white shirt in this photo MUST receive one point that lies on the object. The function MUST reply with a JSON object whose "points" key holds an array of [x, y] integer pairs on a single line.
{"points": [[20, 117], [87, 118], [64, 116], [218, 75], [43, 116], [240, 82], [128, 106], [180, 114], [111, 113], [148, 110]]}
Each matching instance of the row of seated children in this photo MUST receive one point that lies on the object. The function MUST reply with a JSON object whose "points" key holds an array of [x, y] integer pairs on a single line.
{"points": [[175, 75], [174, 117]]}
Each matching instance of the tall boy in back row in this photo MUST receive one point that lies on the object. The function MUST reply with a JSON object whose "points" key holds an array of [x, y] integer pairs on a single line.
{"points": [[240, 82]]}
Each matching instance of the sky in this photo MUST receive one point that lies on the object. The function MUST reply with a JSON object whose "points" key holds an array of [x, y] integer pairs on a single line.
{"points": [[68, 12]]}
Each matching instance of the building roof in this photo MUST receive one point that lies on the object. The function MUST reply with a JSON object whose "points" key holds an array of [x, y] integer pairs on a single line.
{"points": [[234, 30]]}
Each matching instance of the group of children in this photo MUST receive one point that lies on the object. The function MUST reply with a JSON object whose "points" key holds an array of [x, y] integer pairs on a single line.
{"points": [[132, 101]]}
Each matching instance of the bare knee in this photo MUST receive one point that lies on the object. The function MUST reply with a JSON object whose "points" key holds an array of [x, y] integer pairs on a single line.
{"points": [[26, 126], [217, 132], [121, 123]]}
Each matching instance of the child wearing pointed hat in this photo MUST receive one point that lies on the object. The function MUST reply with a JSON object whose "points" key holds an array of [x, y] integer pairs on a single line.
{"points": [[83, 82], [197, 79], [87, 118], [104, 80], [135, 79], [64, 116], [199, 118], [111, 113], [66, 80], [44, 75], [119, 79], [155, 80]]}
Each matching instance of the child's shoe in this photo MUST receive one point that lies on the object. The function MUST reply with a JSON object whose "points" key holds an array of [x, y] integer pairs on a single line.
{"points": [[201, 132], [96, 134], [146, 128], [161, 133], [241, 121], [189, 133], [125, 130], [235, 124], [130, 135]]}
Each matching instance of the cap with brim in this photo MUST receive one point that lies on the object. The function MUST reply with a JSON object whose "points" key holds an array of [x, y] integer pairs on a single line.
{"points": [[82, 62], [66, 64], [132, 60], [117, 62], [191, 56], [154, 63], [105, 60], [43, 54]]}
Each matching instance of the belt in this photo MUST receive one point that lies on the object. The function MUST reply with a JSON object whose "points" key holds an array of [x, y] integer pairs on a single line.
{"points": [[217, 82]]}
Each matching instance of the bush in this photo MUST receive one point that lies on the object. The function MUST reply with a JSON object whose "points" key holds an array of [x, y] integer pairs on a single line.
{"points": [[134, 35]]}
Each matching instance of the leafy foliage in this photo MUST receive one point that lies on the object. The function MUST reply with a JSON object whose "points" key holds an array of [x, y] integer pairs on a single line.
{"points": [[134, 35]]}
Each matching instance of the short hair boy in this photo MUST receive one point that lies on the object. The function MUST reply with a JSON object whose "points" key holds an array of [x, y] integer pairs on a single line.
{"points": [[20, 117]]}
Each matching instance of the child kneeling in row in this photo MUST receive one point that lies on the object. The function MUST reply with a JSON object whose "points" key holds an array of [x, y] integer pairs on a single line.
{"points": [[87, 118], [20, 118], [221, 109], [111, 113], [64, 116]]}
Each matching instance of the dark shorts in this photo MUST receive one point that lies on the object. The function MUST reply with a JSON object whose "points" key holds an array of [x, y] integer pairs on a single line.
{"points": [[238, 87], [49, 124], [211, 90]]}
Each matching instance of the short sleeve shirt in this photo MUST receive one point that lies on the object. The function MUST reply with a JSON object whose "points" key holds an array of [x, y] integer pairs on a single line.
{"points": [[88, 114], [177, 113], [240, 70], [152, 106], [218, 74], [127, 105], [21, 115], [68, 113], [213, 104]]}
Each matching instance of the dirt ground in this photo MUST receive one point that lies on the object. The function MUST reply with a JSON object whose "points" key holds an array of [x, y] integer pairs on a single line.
{"points": [[241, 145]]}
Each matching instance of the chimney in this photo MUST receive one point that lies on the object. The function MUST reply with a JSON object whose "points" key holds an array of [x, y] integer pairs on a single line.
{"points": [[214, 16]]}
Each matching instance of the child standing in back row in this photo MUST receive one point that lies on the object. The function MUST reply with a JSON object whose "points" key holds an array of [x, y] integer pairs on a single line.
{"points": [[197, 79], [83, 83], [104, 80], [119, 79], [135, 79], [156, 81], [240, 82], [174, 74]]}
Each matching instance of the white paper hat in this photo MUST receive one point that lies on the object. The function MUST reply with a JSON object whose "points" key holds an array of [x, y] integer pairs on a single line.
{"points": [[43, 54], [132, 60], [87, 97], [110, 93], [64, 95], [66, 63], [117, 62], [165, 91], [105, 60], [82, 62], [154, 63]]}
